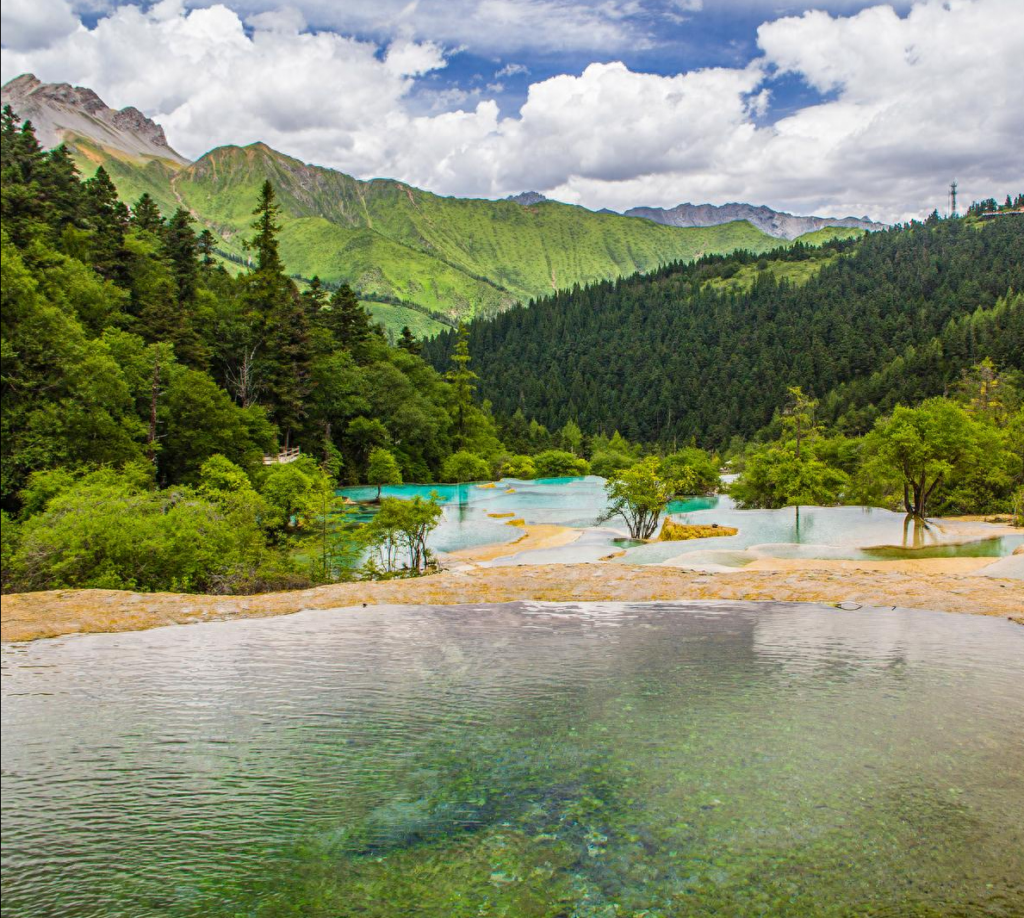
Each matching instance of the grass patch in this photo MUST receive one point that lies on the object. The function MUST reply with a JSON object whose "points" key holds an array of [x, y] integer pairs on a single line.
{"points": [[394, 318]]}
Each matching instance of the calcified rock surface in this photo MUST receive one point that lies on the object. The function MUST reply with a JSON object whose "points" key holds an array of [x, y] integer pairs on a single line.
{"points": [[27, 616], [775, 223], [59, 112]]}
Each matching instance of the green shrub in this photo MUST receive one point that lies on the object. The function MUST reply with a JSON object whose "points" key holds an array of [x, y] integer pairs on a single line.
{"points": [[396, 537], [9, 537], [107, 531], [694, 469], [465, 466], [639, 495], [557, 463], [607, 462], [518, 466]]}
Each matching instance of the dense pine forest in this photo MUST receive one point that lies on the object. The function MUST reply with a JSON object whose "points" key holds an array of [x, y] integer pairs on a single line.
{"points": [[884, 371], [682, 354]]}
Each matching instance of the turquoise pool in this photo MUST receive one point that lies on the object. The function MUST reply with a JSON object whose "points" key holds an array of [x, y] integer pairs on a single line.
{"points": [[856, 533]]}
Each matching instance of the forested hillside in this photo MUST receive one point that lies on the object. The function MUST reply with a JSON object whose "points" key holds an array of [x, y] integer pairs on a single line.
{"points": [[143, 385], [709, 350]]}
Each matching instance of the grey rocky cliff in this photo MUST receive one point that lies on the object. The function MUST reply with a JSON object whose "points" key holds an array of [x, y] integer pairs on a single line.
{"points": [[60, 112]]}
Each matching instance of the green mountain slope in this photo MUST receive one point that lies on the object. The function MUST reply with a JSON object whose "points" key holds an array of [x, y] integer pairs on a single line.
{"points": [[131, 175], [397, 244]]}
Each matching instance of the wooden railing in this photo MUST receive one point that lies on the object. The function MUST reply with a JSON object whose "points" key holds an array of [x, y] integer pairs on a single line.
{"points": [[286, 455]]}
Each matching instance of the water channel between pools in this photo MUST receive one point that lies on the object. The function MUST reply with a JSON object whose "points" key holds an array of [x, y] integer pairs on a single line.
{"points": [[599, 760], [476, 515]]}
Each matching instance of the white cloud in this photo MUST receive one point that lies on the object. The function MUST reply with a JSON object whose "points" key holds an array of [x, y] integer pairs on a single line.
{"points": [[913, 101], [511, 70], [409, 58], [488, 26], [320, 96], [29, 24]]}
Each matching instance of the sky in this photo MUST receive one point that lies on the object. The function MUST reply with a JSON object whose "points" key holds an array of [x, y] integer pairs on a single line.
{"points": [[832, 107]]}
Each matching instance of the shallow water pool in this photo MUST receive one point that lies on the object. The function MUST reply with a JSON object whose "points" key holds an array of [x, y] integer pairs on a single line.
{"points": [[476, 514], [717, 759]]}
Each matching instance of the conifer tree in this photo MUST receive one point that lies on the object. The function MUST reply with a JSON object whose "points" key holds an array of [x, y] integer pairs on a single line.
{"points": [[279, 322], [314, 296], [182, 249], [107, 217], [205, 246], [463, 383], [21, 208], [346, 320], [264, 243], [146, 215], [60, 189], [407, 341]]}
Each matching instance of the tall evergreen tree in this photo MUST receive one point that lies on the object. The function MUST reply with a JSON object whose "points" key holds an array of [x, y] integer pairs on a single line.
{"points": [[60, 189], [146, 215], [463, 383], [346, 320], [21, 207], [264, 243], [182, 250], [107, 217], [315, 296], [205, 247], [407, 341], [279, 322]]}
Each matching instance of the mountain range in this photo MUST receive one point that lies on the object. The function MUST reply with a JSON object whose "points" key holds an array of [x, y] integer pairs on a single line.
{"points": [[773, 222], [416, 258]]}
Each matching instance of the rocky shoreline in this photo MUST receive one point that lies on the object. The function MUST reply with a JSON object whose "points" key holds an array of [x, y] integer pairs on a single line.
{"points": [[29, 616]]}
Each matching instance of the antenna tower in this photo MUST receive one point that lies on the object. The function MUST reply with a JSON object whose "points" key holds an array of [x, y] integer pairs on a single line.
{"points": [[952, 198]]}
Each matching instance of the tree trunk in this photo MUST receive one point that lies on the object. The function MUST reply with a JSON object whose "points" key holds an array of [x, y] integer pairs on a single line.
{"points": [[928, 494], [154, 396]]}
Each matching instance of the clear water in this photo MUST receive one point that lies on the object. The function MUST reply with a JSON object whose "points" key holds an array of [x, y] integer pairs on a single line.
{"points": [[468, 523], [591, 761], [857, 533]]}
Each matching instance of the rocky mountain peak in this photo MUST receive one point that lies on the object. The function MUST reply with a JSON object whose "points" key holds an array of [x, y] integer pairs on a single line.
{"points": [[527, 198], [61, 113]]}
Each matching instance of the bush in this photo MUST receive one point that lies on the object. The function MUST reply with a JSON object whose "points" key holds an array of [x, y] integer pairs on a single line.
{"points": [[518, 467], [9, 537], [695, 470], [608, 461], [465, 466], [107, 531], [773, 477], [293, 492], [557, 463]]}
